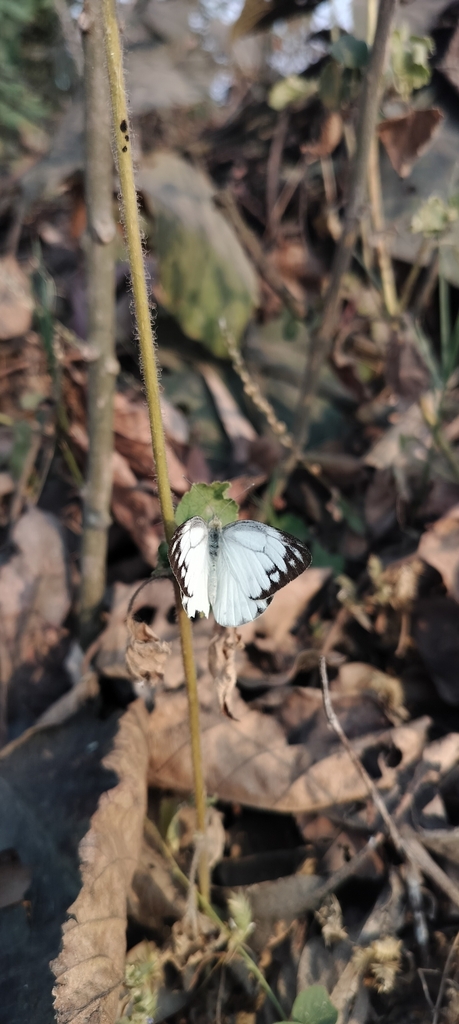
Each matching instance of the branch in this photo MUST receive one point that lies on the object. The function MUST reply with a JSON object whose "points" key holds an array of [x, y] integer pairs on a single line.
{"points": [[100, 284]]}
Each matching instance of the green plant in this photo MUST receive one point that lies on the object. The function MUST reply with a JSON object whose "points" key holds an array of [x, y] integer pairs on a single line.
{"points": [[25, 79], [313, 1006]]}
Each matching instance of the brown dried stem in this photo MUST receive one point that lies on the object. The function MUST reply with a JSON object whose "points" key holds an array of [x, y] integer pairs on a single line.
{"points": [[100, 281]]}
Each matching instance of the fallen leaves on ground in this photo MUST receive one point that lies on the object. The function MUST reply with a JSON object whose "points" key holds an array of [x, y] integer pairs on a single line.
{"points": [[90, 968]]}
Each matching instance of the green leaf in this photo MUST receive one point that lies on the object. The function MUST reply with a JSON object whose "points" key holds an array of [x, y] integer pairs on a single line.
{"points": [[350, 52], [409, 61], [330, 85], [435, 216], [290, 90], [204, 272], [313, 1006], [207, 500]]}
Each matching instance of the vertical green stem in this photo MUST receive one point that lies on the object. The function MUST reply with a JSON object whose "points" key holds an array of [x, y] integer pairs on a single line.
{"points": [[123, 143], [445, 322]]}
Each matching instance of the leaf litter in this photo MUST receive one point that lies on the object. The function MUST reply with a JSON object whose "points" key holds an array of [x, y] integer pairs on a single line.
{"points": [[304, 873]]}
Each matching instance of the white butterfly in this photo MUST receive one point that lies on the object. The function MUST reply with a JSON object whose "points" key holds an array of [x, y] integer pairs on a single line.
{"points": [[233, 570]]}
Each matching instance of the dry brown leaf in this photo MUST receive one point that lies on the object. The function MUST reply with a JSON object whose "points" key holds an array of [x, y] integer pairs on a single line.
{"points": [[90, 968], [139, 513], [222, 665], [439, 546], [249, 761], [406, 138], [157, 595], [34, 590], [331, 133], [133, 440], [16, 302], [236, 426], [146, 654]]}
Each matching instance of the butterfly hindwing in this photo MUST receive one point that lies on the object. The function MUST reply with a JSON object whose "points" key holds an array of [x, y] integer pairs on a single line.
{"points": [[189, 559], [253, 562]]}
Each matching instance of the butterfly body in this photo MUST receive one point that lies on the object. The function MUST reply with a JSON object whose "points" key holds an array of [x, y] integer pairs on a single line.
{"points": [[235, 569]]}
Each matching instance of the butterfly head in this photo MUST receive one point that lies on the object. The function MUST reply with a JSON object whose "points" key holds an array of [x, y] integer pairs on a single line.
{"points": [[215, 523]]}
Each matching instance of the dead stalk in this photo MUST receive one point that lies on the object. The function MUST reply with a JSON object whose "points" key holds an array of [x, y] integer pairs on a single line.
{"points": [[100, 283], [377, 214], [321, 340], [123, 148]]}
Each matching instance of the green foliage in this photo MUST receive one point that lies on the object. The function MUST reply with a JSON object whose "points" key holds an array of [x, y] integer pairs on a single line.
{"points": [[313, 1006], [204, 273], [22, 439], [291, 90], [409, 61], [435, 216], [352, 53], [142, 980], [21, 100], [207, 500]]}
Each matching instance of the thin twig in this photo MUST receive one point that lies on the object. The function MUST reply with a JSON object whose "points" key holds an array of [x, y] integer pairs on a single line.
{"points": [[441, 991], [377, 213], [369, 784], [250, 242], [123, 143], [406, 842]]}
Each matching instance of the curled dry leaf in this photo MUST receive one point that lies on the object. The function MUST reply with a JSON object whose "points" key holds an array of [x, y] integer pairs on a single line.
{"points": [[90, 968], [222, 665], [146, 654]]}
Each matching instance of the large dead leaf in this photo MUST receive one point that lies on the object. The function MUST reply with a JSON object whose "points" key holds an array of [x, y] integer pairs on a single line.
{"points": [[203, 270], [90, 968], [249, 760]]}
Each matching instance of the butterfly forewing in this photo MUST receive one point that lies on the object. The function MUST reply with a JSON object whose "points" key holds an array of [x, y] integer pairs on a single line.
{"points": [[253, 562], [189, 559]]}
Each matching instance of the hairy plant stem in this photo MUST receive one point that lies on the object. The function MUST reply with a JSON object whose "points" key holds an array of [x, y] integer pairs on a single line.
{"points": [[123, 143], [100, 282], [322, 337]]}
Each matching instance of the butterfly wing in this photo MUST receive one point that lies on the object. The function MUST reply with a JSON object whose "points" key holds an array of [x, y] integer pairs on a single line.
{"points": [[253, 562], [189, 559]]}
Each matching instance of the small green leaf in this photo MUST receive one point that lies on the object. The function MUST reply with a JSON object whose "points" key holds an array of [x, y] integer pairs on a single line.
{"points": [[207, 500], [163, 557], [290, 90], [313, 1006], [409, 61], [350, 52], [330, 85], [435, 216]]}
